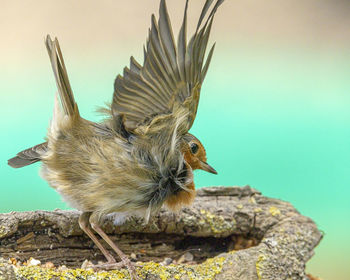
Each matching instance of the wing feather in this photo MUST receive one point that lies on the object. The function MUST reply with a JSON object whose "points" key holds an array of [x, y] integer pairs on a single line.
{"points": [[135, 83], [206, 65], [181, 46], [169, 81], [135, 66], [166, 36], [203, 13]]}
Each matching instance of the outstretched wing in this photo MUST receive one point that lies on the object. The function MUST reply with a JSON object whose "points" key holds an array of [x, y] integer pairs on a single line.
{"points": [[168, 83]]}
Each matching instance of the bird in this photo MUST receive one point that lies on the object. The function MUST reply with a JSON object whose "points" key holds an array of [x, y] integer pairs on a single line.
{"points": [[141, 156]]}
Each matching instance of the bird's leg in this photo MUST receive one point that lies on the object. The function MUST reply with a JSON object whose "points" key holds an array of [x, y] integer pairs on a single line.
{"points": [[125, 260], [84, 225]]}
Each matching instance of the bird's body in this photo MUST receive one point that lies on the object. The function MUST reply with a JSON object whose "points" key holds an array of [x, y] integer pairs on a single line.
{"points": [[142, 156], [97, 170]]}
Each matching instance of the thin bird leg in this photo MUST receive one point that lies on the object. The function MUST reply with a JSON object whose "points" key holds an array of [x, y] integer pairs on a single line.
{"points": [[125, 260], [84, 225]]}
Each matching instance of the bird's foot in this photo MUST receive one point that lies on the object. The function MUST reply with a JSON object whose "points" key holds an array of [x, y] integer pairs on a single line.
{"points": [[118, 265]]}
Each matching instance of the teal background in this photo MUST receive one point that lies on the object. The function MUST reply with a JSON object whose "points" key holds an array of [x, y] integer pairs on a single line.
{"points": [[274, 110]]}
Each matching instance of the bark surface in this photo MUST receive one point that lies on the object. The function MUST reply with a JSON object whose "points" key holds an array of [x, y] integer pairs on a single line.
{"points": [[230, 232]]}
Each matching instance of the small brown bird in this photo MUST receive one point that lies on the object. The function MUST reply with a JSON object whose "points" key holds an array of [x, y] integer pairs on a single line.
{"points": [[142, 156]]}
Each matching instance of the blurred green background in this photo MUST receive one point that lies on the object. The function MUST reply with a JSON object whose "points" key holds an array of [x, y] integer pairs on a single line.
{"points": [[274, 110]]}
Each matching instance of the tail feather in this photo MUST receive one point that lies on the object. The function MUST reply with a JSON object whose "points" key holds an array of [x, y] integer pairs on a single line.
{"points": [[28, 156], [59, 69], [69, 106]]}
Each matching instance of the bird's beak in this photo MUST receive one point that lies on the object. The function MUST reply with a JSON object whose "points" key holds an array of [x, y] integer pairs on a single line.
{"points": [[206, 167]]}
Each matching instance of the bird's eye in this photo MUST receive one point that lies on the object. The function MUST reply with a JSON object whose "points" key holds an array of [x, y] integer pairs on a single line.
{"points": [[194, 148]]}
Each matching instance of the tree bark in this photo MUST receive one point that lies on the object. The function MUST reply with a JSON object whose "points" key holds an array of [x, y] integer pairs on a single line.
{"points": [[230, 233]]}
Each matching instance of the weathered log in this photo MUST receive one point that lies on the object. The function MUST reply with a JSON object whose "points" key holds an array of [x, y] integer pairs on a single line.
{"points": [[231, 233]]}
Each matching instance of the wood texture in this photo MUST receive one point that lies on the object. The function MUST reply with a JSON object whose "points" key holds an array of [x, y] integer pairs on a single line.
{"points": [[232, 233]]}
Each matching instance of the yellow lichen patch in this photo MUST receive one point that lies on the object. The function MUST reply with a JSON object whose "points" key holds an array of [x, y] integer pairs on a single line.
{"points": [[252, 200], [209, 268], [274, 211], [217, 223], [154, 268], [258, 265], [39, 273], [3, 231], [258, 210], [204, 271], [239, 206]]}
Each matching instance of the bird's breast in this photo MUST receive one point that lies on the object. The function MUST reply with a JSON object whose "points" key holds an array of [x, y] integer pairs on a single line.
{"points": [[181, 198], [185, 195]]}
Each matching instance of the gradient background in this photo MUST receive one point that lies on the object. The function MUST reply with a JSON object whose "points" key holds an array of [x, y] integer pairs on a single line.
{"points": [[274, 111]]}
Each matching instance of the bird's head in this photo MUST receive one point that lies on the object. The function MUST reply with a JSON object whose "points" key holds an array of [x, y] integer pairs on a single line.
{"points": [[195, 155]]}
